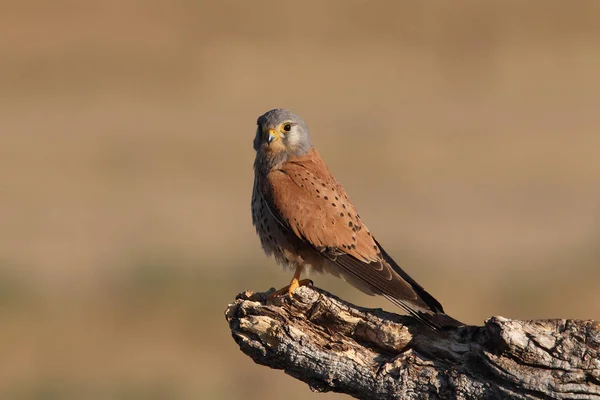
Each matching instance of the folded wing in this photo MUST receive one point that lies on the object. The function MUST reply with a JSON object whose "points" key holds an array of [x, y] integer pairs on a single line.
{"points": [[308, 201]]}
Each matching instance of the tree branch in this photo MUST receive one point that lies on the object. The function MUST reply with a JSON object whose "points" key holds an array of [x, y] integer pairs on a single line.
{"points": [[335, 346]]}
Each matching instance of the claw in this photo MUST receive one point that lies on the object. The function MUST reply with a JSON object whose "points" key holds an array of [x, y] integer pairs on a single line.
{"points": [[294, 284]]}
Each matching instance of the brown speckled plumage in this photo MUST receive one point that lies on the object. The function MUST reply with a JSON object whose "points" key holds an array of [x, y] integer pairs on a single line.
{"points": [[303, 217]]}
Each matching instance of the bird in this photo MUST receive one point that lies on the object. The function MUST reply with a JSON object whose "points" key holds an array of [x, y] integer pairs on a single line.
{"points": [[306, 221]]}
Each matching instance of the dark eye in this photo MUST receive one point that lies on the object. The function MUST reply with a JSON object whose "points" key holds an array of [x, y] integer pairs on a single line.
{"points": [[287, 127]]}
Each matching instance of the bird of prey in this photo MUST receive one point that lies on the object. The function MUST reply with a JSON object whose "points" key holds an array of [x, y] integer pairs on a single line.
{"points": [[304, 218]]}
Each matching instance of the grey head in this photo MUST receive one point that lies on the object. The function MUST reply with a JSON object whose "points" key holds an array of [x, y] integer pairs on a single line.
{"points": [[281, 132]]}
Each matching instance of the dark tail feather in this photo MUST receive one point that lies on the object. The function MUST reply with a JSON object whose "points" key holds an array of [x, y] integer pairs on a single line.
{"points": [[435, 317], [431, 302], [435, 321], [443, 321]]}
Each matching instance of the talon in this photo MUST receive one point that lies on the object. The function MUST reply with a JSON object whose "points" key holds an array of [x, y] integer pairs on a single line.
{"points": [[292, 287], [294, 284]]}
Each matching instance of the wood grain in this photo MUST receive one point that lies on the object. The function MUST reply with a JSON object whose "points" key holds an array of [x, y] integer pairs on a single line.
{"points": [[333, 345]]}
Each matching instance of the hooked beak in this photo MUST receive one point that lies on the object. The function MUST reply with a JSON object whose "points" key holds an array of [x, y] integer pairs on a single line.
{"points": [[273, 135]]}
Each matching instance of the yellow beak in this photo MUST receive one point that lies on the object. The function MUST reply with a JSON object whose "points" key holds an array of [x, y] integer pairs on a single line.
{"points": [[273, 135]]}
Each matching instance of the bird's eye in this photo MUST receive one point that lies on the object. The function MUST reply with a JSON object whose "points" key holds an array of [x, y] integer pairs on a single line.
{"points": [[287, 127]]}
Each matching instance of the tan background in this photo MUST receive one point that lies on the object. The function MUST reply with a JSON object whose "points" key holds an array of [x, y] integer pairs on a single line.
{"points": [[467, 134]]}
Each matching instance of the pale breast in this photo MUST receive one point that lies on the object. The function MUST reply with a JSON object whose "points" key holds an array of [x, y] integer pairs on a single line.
{"points": [[275, 239]]}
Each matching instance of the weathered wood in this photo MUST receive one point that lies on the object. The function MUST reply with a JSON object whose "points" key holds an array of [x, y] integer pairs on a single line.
{"points": [[335, 346]]}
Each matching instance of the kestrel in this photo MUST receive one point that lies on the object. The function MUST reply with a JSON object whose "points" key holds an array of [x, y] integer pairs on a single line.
{"points": [[304, 218]]}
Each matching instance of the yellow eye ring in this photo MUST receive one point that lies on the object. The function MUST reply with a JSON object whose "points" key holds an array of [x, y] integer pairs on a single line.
{"points": [[286, 127]]}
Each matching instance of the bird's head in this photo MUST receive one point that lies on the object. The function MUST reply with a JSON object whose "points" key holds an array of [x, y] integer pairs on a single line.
{"points": [[281, 133]]}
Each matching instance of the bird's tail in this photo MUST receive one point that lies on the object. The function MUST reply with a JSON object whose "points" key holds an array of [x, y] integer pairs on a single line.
{"points": [[432, 316]]}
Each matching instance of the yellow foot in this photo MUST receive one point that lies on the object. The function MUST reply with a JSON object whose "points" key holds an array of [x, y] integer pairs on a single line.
{"points": [[289, 289]]}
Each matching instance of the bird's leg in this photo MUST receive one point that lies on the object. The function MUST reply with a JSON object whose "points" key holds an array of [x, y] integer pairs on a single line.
{"points": [[294, 284]]}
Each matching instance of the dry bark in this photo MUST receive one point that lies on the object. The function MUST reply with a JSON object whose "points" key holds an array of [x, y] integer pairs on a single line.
{"points": [[335, 346]]}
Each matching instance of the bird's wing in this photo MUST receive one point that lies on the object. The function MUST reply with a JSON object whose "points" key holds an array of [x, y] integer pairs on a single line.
{"points": [[307, 200]]}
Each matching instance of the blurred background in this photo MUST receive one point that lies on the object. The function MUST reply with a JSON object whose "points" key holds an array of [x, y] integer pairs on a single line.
{"points": [[466, 133]]}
